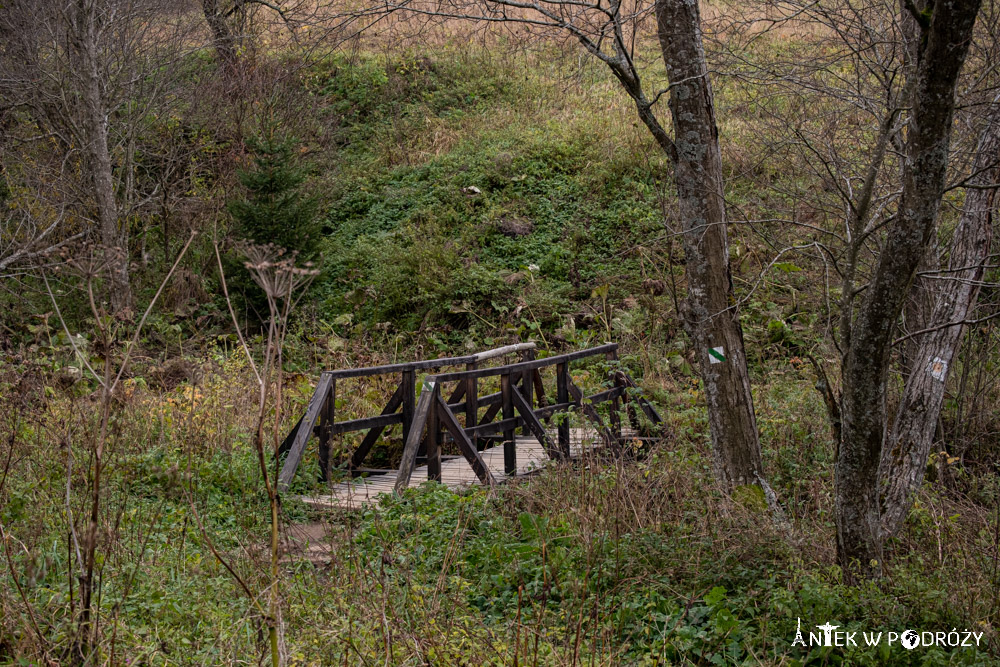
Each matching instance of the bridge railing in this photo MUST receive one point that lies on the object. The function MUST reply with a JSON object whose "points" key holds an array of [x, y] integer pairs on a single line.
{"points": [[521, 403], [521, 387], [320, 418]]}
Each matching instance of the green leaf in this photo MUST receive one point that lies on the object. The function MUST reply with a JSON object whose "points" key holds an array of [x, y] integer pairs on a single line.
{"points": [[715, 596], [725, 620], [786, 267]]}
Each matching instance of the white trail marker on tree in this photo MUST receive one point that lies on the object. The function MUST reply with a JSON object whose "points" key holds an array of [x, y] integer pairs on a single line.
{"points": [[938, 368]]}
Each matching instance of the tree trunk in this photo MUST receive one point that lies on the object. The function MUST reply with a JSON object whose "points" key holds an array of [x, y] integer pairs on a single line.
{"points": [[223, 40], [711, 318], [919, 308], [866, 363], [920, 299], [93, 120], [904, 459]]}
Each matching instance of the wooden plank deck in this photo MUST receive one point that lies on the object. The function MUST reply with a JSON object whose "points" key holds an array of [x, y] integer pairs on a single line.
{"points": [[456, 473]]}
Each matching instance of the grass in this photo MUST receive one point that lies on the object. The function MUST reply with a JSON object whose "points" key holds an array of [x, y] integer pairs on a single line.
{"points": [[627, 562], [431, 239]]}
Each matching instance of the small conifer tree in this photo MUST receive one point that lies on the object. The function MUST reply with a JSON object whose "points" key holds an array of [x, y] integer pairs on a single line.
{"points": [[274, 209]]}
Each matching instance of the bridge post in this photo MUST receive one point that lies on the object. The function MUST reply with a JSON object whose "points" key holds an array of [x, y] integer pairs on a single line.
{"points": [[527, 387], [409, 388], [509, 442], [326, 420], [472, 402], [616, 422], [562, 397], [434, 439]]}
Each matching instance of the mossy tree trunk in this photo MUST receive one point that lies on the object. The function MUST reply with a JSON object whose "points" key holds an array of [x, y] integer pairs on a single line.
{"points": [[711, 317], [223, 40], [905, 454], [946, 36]]}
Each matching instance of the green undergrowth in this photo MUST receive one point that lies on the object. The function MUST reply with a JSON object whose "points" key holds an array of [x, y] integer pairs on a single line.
{"points": [[464, 204], [637, 561], [510, 221], [598, 569], [499, 215]]}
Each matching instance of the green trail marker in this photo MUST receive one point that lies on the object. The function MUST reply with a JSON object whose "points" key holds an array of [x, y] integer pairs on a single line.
{"points": [[716, 355]]}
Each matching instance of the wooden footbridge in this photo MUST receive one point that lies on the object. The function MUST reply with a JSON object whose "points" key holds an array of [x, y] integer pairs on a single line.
{"points": [[482, 428]]}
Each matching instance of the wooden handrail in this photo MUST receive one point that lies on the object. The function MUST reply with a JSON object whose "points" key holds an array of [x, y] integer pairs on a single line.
{"points": [[516, 413], [303, 431], [321, 410], [527, 365], [436, 411], [430, 363]]}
